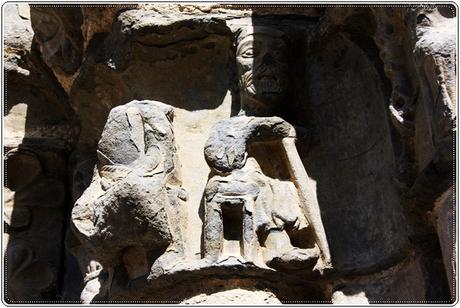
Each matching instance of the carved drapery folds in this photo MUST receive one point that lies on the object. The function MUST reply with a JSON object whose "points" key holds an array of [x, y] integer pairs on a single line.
{"points": [[176, 153], [245, 206], [248, 213], [130, 212]]}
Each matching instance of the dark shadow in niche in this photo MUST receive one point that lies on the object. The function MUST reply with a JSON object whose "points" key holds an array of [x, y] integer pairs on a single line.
{"points": [[339, 94], [352, 159], [293, 30], [35, 177], [58, 30], [232, 219], [289, 31]]}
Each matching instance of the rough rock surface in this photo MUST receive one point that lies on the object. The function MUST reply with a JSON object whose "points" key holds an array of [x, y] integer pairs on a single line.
{"points": [[236, 297], [39, 130], [229, 154]]}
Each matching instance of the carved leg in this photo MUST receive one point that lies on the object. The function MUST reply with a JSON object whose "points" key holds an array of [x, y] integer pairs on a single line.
{"points": [[277, 241], [249, 241], [213, 231]]}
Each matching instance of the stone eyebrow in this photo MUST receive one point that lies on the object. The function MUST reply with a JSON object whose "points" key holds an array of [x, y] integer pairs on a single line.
{"points": [[247, 41]]}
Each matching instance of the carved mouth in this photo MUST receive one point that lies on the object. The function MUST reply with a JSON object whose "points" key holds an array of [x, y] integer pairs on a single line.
{"points": [[261, 83], [267, 84]]}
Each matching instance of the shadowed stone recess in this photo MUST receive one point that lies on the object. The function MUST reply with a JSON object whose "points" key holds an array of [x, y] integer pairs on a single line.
{"points": [[229, 154]]}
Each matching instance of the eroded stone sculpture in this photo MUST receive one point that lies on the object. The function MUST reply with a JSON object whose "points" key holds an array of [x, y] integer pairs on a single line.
{"points": [[423, 108], [27, 275], [129, 214], [58, 32], [363, 98], [248, 213], [32, 192]]}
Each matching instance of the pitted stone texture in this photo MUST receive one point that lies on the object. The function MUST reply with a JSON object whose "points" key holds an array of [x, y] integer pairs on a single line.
{"points": [[57, 30], [435, 127], [180, 49], [132, 202], [370, 91], [234, 297], [444, 219], [226, 147], [36, 106], [402, 283], [248, 214], [39, 130], [33, 214]]}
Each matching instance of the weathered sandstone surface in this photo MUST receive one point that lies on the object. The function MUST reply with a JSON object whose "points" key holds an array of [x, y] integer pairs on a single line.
{"points": [[229, 154]]}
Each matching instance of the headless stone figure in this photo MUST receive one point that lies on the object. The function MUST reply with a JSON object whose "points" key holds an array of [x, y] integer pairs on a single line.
{"points": [[130, 211]]}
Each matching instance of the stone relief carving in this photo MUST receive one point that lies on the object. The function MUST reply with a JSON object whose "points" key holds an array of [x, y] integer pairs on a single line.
{"points": [[435, 56], [30, 193], [254, 224], [255, 215], [59, 35], [437, 101], [395, 53], [27, 275], [131, 216], [131, 211]]}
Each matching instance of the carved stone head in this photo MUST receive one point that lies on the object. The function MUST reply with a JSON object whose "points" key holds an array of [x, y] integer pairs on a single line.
{"points": [[58, 33], [262, 61]]}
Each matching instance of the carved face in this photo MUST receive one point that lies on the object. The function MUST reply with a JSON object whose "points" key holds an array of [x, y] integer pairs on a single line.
{"points": [[263, 69], [59, 35]]}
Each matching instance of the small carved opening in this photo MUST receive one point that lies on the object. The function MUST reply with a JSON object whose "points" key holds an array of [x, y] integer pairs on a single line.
{"points": [[232, 215], [233, 222]]}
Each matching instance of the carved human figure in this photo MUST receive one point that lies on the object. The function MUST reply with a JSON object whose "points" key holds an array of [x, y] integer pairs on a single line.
{"points": [[129, 214], [261, 57], [58, 32], [277, 214], [30, 191], [436, 128]]}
